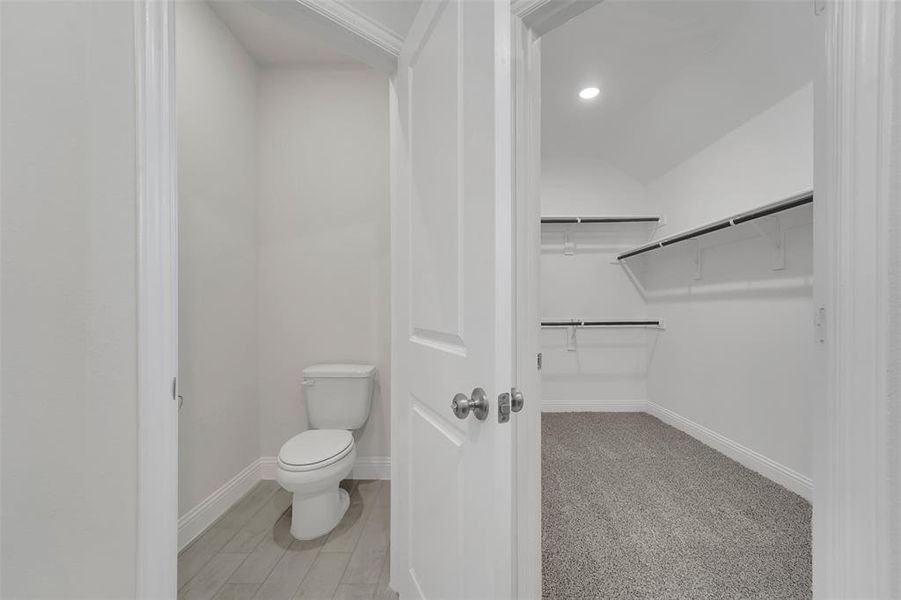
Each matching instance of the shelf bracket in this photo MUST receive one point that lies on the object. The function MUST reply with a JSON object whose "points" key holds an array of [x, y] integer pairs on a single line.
{"points": [[569, 247], [571, 339], [697, 260], [661, 222], [770, 229]]}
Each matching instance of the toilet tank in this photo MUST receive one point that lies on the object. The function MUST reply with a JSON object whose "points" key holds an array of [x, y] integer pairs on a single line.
{"points": [[338, 395]]}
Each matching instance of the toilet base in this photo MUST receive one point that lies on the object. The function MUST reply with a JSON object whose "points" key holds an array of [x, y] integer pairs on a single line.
{"points": [[315, 516]]}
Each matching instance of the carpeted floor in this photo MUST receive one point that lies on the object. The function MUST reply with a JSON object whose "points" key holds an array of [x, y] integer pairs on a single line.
{"points": [[633, 508]]}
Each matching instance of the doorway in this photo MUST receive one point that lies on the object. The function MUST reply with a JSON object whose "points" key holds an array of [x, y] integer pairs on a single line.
{"points": [[676, 293], [284, 320], [830, 240]]}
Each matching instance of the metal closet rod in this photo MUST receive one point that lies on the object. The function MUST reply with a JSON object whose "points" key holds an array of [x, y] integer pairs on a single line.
{"points": [[600, 219], [763, 211], [578, 323]]}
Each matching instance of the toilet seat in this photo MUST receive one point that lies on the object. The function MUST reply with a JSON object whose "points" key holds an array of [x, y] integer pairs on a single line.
{"points": [[315, 449]]}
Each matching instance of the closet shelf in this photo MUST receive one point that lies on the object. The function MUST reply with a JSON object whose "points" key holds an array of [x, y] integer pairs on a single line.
{"points": [[580, 323], [587, 220], [623, 231], [758, 213]]}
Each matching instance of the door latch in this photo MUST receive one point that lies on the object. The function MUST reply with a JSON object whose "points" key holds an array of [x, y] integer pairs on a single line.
{"points": [[508, 402], [175, 394], [819, 323], [503, 407]]}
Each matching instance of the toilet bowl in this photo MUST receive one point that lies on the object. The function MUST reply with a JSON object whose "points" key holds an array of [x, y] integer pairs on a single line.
{"points": [[310, 466], [312, 463]]}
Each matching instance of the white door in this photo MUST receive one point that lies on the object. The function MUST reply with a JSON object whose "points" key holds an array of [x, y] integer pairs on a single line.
{"points": [[452, 281]]}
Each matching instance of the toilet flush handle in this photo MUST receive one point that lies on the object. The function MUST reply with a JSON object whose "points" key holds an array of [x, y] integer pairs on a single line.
{"points": [[307, 382]]}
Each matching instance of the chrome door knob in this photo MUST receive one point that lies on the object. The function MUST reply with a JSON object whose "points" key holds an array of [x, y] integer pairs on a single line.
{"points": [[516, 400], [477, 405]]}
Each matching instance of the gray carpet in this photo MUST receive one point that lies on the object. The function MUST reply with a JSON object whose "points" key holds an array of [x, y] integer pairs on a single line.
{"points": [[633, 508]]}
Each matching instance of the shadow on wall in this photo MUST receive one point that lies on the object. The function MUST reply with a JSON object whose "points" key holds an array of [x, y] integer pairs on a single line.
{"points": [[604, 354]]}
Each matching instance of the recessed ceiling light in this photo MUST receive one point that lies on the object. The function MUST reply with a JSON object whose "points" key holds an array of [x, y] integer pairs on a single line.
{"points": [[589, 93]]}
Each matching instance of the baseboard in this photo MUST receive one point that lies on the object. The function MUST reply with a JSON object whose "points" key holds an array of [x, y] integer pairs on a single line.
{"points": [[365, 467], [557, 406], [196, 520], [268, 466], [372, 467], [784, 476]]}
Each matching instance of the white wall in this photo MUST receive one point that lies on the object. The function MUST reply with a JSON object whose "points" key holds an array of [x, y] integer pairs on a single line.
{"points": [[324, 240], [217, 156], [737, 355], [68, 300], [586, 186], [765, 159], [607, 365]]}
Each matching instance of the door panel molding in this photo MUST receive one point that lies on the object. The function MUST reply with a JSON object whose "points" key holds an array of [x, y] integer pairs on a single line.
{"points": [[440, 341], [436, 196], [437, 504], [452, 431]]}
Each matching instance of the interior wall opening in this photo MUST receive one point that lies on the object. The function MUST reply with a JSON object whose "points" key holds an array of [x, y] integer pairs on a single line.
{"points": [[283, 176], [676, 300]]}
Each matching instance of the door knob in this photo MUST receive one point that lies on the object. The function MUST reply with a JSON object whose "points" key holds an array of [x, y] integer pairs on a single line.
{"points": [[478, 405], [516, 400]]}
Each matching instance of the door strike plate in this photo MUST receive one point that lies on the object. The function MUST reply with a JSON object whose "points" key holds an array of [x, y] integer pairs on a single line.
{"points": [[503, 407]]}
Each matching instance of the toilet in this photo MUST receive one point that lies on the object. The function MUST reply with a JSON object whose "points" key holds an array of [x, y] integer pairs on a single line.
{"points": [[312, 464]]}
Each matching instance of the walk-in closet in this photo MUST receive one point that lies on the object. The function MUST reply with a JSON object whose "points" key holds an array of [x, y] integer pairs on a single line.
{"points": [[678, 329]]}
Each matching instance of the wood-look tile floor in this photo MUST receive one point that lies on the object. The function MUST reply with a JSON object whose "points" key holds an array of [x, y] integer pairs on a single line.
{"points": [[249, 553]]}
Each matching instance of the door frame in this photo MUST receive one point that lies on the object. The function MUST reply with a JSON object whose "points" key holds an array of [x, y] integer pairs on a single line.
{"points": [[526, 144], [157, 300], [857, 455]]}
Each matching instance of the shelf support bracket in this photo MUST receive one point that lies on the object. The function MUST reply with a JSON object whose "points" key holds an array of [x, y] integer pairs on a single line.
{"points": [[770, 229], [571, 338], [661, 222], [569, 247], [697, 259]]}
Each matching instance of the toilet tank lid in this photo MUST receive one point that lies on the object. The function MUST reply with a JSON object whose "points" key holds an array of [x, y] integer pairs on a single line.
{"points": [[339, 370]]}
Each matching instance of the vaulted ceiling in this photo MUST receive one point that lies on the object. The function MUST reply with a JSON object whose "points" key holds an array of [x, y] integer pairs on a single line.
{"points": [[674, 76]]}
